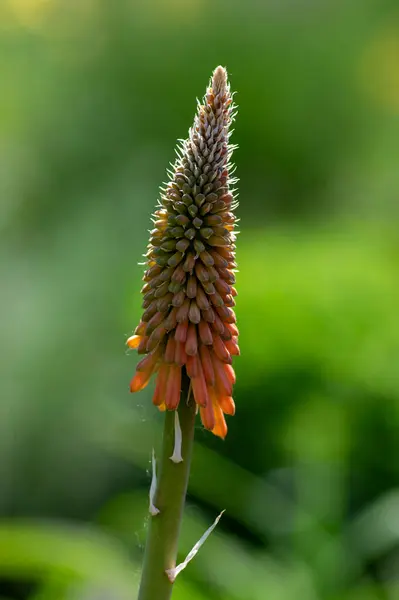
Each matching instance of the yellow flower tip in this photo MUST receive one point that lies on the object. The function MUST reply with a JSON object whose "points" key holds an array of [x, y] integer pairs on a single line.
{"points": [[134, 341], [219, 80]]}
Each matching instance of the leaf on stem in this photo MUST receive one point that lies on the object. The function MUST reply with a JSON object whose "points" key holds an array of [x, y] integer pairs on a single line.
{"points": [[176, 456], [153, 488], [173, 573]]}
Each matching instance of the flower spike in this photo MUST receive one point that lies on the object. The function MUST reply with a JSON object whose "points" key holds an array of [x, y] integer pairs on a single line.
{"points": [[188, 295]]}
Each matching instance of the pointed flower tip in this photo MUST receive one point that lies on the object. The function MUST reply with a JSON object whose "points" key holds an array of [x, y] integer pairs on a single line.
{"points": [[219, 80]]}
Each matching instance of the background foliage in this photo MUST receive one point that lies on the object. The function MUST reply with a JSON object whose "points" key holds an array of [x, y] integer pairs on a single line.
{"points": [[93, 96]]}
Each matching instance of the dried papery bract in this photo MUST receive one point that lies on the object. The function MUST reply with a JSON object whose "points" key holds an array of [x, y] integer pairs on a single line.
{"points": [[188, 323]]}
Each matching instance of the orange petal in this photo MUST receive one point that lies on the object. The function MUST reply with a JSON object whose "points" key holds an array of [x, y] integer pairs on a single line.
{"points": [[227, 405], [134, 341], [180, 354], [220, 428], [157, 335], [226, 314], [232, 347], [232, 327], [205, 333], [139, 381], [148, 362], [217, 325], [191, 342], [140, 329], [160, 387], [229, 300], [170, 350], [143, 345], [220, 349], [226, 335], [207, 365], [228, 369], [223, 384], [222, 286], [181, 332], [192, 366], [200, 389], [173, 386], [208, 416]]}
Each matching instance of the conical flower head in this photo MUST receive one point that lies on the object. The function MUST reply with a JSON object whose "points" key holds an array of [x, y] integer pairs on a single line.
{"points": [[188, 296]]}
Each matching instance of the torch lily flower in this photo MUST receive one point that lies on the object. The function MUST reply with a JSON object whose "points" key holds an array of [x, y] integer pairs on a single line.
{"points": [[188, 325]]}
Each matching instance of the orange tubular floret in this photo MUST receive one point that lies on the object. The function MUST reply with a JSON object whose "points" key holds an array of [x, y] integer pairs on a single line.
{"points": [[218, 325], [140, 329], [208, 416], [191, 342], [144, 370], [223, 384], [198, 383], [227, 405], [173, 385], [181, 332], [159, 395], [205, 333], [140, 381], [170, 350], [232, 327], [134, 341], [192, 366], [207, 365], [220, 428], [142, 345], [180, 354], [156, 337], [232, 347], [148, 363], [220, 349], [228, 369]]}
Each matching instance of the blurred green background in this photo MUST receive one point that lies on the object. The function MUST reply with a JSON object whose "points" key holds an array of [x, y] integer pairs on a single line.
{"points": [[93, 95]]}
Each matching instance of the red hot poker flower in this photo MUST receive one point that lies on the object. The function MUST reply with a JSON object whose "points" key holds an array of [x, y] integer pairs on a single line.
{"points": [[188, 296]]}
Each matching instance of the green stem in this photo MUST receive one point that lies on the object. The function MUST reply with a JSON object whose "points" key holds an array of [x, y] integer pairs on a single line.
{"points": [[163, 533]]}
